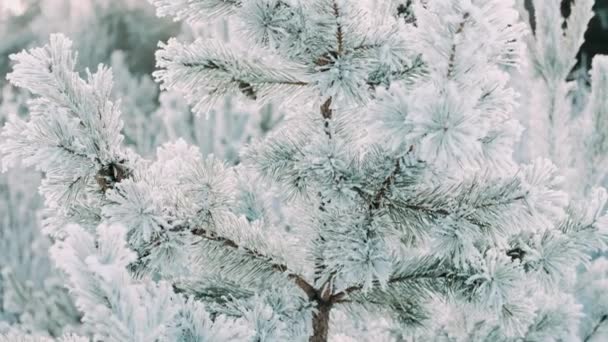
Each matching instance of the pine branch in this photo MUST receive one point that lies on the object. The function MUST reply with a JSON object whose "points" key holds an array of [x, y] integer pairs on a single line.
{"points": [[230, 244], [417, 269], [49, 73], [404, 305], [326, 110], [442, 205], [377, 200], [353, 254], [75, 125], [596, 109], [339, 30], [207, 70], [213, 289], [327, 113], [472, 201], [452, 58], [195, 11], [263, 261], [476, 196], [409, 74], [412, 283], [324, 294]]}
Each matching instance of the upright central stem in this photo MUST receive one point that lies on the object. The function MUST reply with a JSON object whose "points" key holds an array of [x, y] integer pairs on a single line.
{"points": [[320, 323], [323, 296]]}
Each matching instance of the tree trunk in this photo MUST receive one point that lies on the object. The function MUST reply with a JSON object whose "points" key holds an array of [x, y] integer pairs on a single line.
{"points": [[320, 323]]}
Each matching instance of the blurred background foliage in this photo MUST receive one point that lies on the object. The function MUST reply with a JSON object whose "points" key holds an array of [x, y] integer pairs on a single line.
{"points": [[123, 34]]}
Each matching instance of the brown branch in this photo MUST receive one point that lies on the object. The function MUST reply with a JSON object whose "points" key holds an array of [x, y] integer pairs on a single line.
{"points": [[444, 212], [375, 204], [597, 326], [341, 296], [339, 31], [327, 59], [376, 201], [327, 113], [323, 295], [452, 58], [365, 47], [247, 87], [320, 323], [298, 280], [310, 291], [232, 244], [385, 187], [281, 268], [73, 151], [428, 210], [213, 66]]}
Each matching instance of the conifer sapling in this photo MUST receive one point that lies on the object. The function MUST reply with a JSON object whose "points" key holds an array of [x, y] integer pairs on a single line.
{"points": [[394, 164]]}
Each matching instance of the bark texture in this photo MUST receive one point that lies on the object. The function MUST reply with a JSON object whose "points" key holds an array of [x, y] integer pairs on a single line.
{"points": [[320, 323]]}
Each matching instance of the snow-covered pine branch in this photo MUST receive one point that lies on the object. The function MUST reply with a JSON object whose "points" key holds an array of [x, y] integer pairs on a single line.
{"points": [[49, 73], [565, 121], [596, 121], [208, 71], [33, 293], [160, 235], [321, 60], [122, 309], [403, 192], [74, 131], [556, 126], [194, 10], [18, 336], [318, 154]]}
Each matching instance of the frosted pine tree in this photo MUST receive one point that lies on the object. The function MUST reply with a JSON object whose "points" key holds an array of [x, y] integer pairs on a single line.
{"points": [[32, 292], [592, 283], [564, 121], [33, 297], [230, 123], [394, 161]]}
